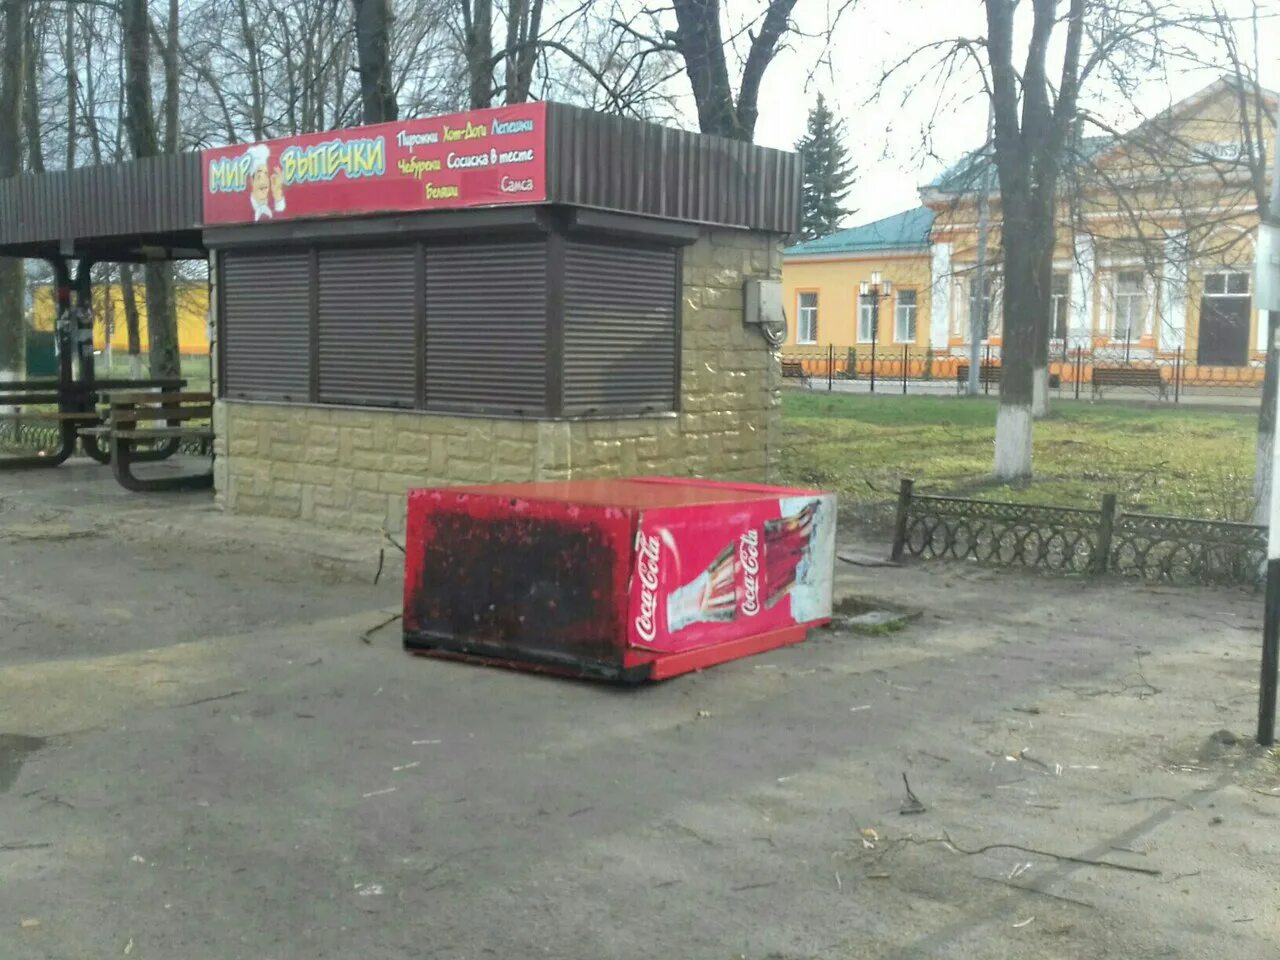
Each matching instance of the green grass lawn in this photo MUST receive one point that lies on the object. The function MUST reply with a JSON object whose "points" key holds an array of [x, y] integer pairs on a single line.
{"points": [[1175, 460]]}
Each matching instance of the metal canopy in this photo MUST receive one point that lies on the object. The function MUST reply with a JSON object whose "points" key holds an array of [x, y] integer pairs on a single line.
{"points": [[140, 210], [151, 208]]}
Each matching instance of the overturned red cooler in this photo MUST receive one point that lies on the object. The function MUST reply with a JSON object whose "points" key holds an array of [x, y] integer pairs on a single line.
{"points": [[628, 580]]}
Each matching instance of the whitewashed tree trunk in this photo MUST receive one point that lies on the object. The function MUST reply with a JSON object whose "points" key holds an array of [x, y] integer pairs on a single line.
{"points": [[8, 375], [1266, 423], [1013, 442], [1040, 393], [1262, 479]]}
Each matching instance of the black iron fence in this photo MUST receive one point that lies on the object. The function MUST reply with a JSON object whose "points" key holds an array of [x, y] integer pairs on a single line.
{"points": [[22, 436], [1083, 541], [1090, 372]]}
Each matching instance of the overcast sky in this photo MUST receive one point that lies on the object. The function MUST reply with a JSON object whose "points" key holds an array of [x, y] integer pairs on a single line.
{"points": [[886, 137]]}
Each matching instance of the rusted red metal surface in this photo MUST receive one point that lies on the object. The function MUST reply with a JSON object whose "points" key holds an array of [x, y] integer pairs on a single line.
{"points": [[627, 579]]}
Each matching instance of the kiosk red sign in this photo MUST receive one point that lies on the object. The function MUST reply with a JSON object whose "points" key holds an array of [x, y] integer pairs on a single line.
{"points": [[473, 159]]}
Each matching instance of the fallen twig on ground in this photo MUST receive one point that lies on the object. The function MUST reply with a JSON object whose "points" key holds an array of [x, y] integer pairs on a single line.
{"points": [[392, 540], [23, 845], [382, 554], [220, 696], [1085, 861], [1124, 803], [367, 636], [913, 804], [1039, 893], [1264, 793]]}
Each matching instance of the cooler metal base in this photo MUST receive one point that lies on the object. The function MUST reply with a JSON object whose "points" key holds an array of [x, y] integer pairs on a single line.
{"points": [[636, 667]]}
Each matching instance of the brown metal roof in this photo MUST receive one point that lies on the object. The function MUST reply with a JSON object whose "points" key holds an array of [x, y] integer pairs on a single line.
{"points": [[628, 166], [110, 211], [140, 208]]}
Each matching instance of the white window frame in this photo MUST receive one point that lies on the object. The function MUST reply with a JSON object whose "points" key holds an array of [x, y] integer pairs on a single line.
{"points": [[1065, 300], [994, 326], [866, 319], [1148, 294], [910, 310], [811, 313], [1225, 273]]}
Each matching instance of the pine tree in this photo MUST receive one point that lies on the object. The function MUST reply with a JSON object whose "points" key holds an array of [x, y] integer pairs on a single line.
{"points": [[828, 173]]}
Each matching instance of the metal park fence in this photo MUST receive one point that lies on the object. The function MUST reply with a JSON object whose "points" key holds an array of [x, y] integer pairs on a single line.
{"points": [[1079, 372], [20, 436], [1070, 540]]}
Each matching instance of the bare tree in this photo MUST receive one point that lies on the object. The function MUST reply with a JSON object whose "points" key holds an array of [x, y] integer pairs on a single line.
{"points": [[701, 43], [373, 22], [1034, 116]]}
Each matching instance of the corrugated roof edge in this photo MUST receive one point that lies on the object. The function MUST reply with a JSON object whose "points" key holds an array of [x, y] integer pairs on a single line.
{"points": [[632, 166]]}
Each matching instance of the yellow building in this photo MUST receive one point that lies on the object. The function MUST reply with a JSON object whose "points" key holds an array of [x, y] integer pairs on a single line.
{"points": [[108, 311], [1154, 257]]}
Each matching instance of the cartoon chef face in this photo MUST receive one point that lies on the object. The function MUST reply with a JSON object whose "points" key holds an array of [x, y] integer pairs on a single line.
{"points": [[266, 184]]}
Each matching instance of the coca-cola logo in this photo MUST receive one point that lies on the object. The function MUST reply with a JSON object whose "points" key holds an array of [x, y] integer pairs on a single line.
{"points": [[648, 553], [749, 559]]}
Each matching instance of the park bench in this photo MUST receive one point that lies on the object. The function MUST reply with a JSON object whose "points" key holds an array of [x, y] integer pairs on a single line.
{"points": [[794, 370], [987, 373], [150, 420], [990, 373], [1145, 377], [68, 407]]}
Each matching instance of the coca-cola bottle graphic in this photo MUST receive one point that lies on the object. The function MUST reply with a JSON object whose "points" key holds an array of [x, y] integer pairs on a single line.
{"points": [[711, 596], [786, 548], [752, 572]]}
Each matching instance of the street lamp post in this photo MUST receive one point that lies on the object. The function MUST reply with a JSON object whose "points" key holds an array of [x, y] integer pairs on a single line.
{"points": [[872, 293]]}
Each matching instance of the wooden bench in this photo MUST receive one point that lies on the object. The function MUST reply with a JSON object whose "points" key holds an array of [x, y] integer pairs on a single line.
{"points": [[124, 430], [794, 370], [70, 409], [1145, 377], [75, 405], [987, 373], [990, 373]]}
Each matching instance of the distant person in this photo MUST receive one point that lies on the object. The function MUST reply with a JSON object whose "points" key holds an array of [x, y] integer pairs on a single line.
{"points": [[266, 184]]}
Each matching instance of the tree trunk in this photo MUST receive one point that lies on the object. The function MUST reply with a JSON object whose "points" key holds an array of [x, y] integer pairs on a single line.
{"points": [[133, 330], [373, 52], [1014, 416], [702, 47], [69, 65], [1266, 427], [31, 101], [162, 320], [12, 71], [172, 123], [253, 62], [1043, 309], [139, 112], [477, 51], [162, 336]]}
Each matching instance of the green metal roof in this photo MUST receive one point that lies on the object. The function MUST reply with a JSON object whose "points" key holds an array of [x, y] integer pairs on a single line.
{"points": [[908, 230], [966, 174]]}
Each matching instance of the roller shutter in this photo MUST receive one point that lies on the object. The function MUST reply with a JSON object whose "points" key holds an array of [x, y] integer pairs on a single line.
{"points": [[266, 312], [620, 327], [486, 327], [366, 325]]}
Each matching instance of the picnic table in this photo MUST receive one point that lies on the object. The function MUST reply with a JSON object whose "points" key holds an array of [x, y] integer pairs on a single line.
{"points": [[71, 407], [168, 419]]}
